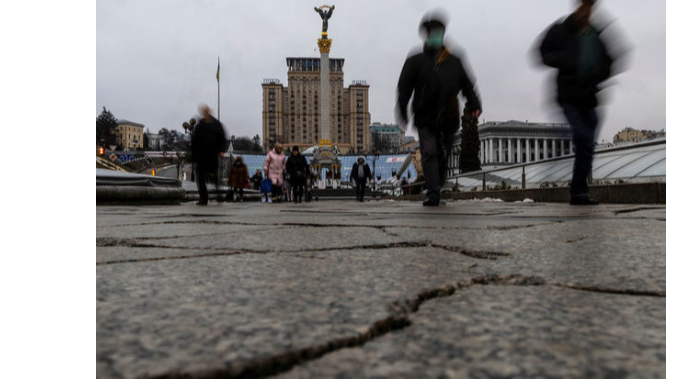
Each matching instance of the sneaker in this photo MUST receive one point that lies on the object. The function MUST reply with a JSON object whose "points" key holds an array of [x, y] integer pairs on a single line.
{"points": [[201, 203], [263, 199], [270, 200], [234, 199]]}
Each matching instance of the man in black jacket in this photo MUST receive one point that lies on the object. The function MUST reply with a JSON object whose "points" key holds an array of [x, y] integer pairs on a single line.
{"points": [[435, 76], [208, 142], [361, 173], [297, 168], [574, 47]]}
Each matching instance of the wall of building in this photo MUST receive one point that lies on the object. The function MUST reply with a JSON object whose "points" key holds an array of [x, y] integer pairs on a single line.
{"points": [[130, 135], [294, 116]]}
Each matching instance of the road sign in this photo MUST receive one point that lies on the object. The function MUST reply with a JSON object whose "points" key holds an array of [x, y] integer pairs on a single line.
{"points": [[113, 157], [126, 158]]}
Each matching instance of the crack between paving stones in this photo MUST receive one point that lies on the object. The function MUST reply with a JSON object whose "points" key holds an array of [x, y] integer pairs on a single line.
{"points": [[131, 243], [398, 318], [150, 259], [613, 291], [233, 252], [484, 255], [317, 225], [633, 210]]}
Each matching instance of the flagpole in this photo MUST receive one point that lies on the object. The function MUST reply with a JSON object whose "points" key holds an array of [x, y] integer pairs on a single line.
{"points": [[218, 78]]}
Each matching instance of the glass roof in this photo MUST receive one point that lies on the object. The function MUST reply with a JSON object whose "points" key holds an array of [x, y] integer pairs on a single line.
{"points": [[635, 163]]}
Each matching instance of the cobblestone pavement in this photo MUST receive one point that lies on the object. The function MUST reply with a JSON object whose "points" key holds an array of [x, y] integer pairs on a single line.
{"points": [[381, 289]]}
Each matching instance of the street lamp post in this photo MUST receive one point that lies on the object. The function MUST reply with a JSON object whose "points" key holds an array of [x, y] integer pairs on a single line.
{"points": [[189, 128], [376, 155]]}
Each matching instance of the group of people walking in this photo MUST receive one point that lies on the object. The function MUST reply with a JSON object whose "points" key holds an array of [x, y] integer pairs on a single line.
{"points": [[435, 77], [289, 173], [285, 177]]}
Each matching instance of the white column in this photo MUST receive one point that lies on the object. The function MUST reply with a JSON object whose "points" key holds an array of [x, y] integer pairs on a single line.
{"points": [[529, 155], [510, 151], [491, 150], [500, 150], [519, 150], [481, 152], [562, 146], [486, 151], [571, 146], [553, 148]]}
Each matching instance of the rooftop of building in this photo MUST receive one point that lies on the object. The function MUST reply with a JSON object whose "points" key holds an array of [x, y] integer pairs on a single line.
{"points": [[130, 123]]}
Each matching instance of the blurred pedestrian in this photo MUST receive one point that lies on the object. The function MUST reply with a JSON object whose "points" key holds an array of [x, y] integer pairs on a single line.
{"points": [[274, 167], [287, 186], [436, 77], [393, 179], [298, 169], [239, 176], [361, 173], [575, 48], [256, 180], [208, 143]]}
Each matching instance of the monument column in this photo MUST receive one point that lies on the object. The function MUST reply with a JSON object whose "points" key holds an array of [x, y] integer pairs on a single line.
{"points": [[324, 100], [325, 12], [529, 155]]}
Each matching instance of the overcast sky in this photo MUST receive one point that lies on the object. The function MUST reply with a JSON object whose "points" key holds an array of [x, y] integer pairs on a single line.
{"points": [[156, 59]]}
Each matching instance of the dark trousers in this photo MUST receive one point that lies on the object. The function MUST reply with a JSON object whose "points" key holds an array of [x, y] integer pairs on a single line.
{"points": [[360, 187], [297, 192], [276, 192], [235, 191], [584, 123], [433, 161], [201, 177]]}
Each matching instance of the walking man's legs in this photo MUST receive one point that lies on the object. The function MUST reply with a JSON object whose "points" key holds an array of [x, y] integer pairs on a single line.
{"points": [[429, 147], [201, 185], [584, 124], [359, 189]]}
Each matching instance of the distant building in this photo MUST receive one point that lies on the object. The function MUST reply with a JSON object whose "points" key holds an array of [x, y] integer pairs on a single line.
{"points": [[129, 134], [156, 141], [632, 135], [291, 114], [515, 142], [648, 134], [388, 139], [628, 135]]}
